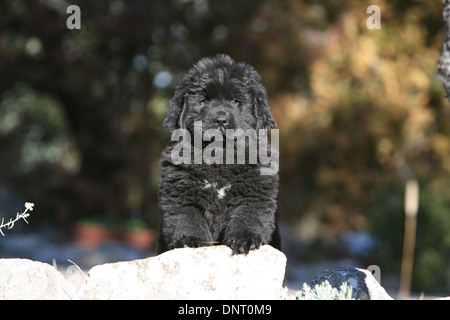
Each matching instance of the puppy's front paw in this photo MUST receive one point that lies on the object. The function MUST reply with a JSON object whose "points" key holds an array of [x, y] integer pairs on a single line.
{"points": [[243, 242], [191, 242]]}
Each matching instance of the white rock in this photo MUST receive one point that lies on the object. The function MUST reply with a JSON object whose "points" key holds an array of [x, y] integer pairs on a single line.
{"points": [[23, 279], [191, 273]]}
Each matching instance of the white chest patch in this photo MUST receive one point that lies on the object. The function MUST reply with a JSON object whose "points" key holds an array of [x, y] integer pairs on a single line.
{"points": [[221, 192]]}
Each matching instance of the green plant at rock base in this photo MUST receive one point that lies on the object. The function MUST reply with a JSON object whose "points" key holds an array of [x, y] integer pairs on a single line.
{"points": [[324, 291]]}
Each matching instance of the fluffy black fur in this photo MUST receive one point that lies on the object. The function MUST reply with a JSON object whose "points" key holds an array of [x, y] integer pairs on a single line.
{"points": [[231, 204]]}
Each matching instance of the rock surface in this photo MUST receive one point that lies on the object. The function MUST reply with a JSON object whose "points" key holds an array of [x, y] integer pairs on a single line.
{"points": [[364, 285], [188, 273], [23, 279], [200, 273]]}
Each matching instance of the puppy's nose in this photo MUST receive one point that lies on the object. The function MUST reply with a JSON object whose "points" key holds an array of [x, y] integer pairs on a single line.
{"points": [[221, 121], [221, 118]]}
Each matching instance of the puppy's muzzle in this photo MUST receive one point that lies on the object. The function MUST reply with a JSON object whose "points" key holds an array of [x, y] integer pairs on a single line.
{"points": [[222, 119]]}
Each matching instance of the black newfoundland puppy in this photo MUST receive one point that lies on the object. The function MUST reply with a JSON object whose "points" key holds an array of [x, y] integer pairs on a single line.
{"points": [[204, 200]]}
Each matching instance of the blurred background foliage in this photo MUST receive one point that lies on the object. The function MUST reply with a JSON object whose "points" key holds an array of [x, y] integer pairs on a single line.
{"points": [[360, 111]]}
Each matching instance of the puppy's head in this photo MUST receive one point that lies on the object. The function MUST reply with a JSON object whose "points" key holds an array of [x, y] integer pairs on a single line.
{"points": [[223, 95]]}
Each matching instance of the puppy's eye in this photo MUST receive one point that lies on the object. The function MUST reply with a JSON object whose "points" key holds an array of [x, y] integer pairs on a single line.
{"points": [[235, 101], [204, 101]]}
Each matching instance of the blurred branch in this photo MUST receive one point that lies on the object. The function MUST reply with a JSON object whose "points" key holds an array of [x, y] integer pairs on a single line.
{"points": [[444, 60], [409, 242]]}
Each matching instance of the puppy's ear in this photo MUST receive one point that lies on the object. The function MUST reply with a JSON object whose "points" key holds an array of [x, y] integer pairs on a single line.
{"points": [[264, 118], [175, 117]]}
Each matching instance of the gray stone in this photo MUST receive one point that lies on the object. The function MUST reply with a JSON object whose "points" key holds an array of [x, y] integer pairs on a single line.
{"points": [[364, 285], [23, 279], [444, 59], [191, 273]]}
